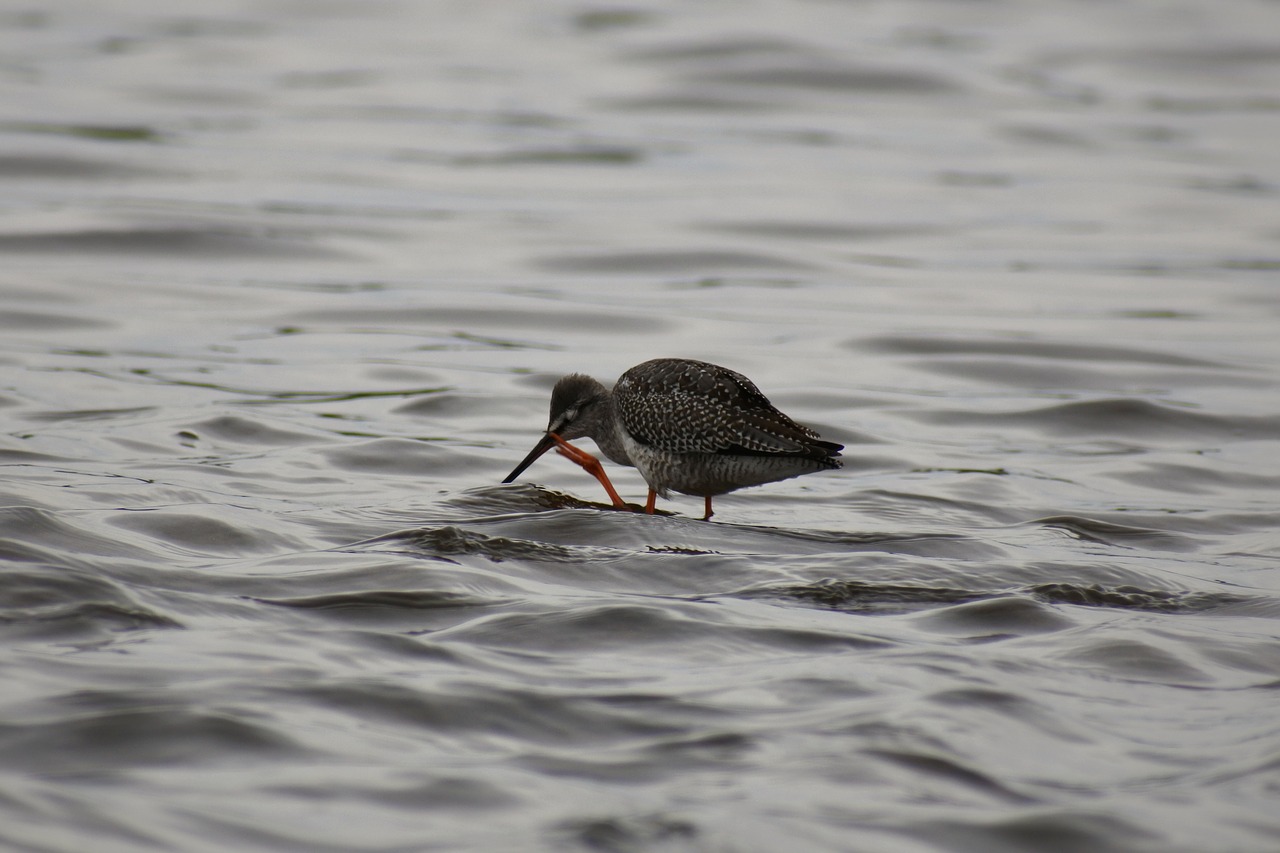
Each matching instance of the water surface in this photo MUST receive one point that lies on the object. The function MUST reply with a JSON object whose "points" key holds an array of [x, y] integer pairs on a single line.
{"points": [[285, 287]]}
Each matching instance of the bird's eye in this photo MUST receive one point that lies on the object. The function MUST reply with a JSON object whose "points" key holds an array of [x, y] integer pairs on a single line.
{"points": [[570, 415]]}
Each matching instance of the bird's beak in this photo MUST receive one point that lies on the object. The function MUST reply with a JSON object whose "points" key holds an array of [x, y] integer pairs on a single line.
{"points": [[544, 444]]}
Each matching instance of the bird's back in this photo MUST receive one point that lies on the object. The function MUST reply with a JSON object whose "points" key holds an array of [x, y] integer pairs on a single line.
{"points": [[680, 406]]}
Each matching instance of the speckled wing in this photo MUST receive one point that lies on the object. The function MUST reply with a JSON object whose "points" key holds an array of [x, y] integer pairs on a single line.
{"points": [[684, 406]]}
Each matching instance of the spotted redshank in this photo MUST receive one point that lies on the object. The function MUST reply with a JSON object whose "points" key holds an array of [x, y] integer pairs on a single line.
{"points": [[687, 426]]}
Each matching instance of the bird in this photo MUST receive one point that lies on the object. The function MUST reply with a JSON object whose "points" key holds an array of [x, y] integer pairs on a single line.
{"points": [[687, 426]]}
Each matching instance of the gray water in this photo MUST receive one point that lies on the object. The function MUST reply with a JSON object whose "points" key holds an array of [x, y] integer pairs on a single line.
{"points": [[283, 290]]}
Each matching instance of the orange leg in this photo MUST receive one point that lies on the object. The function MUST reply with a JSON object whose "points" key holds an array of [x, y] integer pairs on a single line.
{"points": [[648, 504], [590, 464], [707, 517]]}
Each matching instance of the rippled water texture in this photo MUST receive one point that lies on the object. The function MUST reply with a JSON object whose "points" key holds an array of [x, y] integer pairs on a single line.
{"points": [[284, 287]]}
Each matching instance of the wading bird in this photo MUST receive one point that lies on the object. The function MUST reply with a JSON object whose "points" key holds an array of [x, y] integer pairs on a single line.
{"points": [[687, 426]]}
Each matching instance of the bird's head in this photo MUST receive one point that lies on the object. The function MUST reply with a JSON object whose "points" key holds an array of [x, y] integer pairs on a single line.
{"points": [[577, 406]]}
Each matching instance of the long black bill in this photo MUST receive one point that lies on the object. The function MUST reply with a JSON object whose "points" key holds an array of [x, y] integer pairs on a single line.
{"points": [[544, 444]]}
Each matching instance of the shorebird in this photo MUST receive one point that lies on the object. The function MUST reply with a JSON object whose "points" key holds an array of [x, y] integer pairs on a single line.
{"points": [[687, 426]]}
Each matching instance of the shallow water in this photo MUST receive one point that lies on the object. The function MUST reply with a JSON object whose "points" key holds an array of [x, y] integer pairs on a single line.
{"points": [[285, 287]]}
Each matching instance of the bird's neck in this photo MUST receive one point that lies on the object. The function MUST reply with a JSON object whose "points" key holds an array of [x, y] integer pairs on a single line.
{"points": [[607, 435]]}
